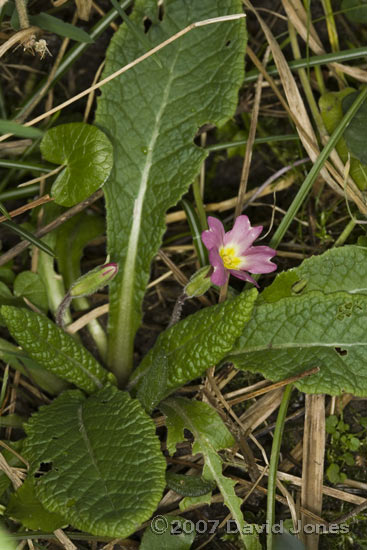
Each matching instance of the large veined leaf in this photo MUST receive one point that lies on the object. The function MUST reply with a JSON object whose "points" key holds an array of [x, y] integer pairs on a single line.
{"points": [[184, 351], [337, 269], [151, 114], [54, 349], [292, 335], [106, 470], [211, 436]]}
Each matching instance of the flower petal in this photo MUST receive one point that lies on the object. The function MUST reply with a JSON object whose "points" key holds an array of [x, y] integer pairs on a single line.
{"points": [[242, 234], [219, 275], [257, 260], [213, 237], [243, 276]]}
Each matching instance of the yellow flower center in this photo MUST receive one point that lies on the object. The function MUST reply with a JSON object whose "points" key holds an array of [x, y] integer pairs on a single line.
{"points": [[228, 255]]}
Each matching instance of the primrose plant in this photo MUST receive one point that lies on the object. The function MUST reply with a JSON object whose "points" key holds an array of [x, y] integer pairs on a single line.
{"points": [[95, 459]]}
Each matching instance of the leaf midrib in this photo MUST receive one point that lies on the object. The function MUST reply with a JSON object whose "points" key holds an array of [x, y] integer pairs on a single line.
{"points": [[126, 290]]}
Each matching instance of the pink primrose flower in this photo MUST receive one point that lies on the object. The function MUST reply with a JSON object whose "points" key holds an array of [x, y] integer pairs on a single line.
{"points": [[232, 252]]}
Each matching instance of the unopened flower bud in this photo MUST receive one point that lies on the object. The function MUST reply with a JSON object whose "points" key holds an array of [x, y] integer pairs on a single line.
{"points": [[94, 280], [199, 282]]}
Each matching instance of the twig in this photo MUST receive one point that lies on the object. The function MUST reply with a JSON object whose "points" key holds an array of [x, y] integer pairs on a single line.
{"points": [[29, 206]]}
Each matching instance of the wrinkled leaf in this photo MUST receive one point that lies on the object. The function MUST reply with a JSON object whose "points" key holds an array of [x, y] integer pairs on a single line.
{"points": [[151, 114], [356, 133], [184, 351], [30, 285], [87, 153], [24, 506], [292, 335], [113, 477], [210, 436], [168, 533], [337, 269], [54, 349]]}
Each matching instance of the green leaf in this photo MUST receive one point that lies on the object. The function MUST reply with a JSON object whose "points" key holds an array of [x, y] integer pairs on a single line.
{"points": [[332, 113], [6, 297], [354, 444], [151, 115], [72, 238], [10, 127], [187, 502], [58, 26], [30, 285], [211, 436], [337, 269], [87, 153], [188, 485], [6, 275], [285, 541], [24, 506], [105, 467], [6, 543], [184, 351], [355, 10], [356, 133], [333, 473], [292, 335], [331, 423], [54, 349], [20, 361], [168, 533]]}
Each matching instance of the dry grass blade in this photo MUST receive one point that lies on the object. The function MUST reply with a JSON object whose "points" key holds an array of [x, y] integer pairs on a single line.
{"points": [[328, 491], [255, 415], [313, 462], [223, 206], [298, 16], [250, 142]]}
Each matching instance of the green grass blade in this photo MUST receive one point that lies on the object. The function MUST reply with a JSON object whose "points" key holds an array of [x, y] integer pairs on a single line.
{"points": [[28, 236]]}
